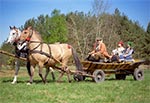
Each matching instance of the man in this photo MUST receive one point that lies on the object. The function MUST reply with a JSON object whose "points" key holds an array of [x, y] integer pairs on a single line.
{"points": [[100, 51]]}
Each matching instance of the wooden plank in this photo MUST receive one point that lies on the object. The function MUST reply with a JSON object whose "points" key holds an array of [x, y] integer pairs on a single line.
{"points": [[12, 55], [91, 66]]}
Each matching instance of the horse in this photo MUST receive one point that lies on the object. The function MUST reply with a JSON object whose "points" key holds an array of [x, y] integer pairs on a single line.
{"points": [[48, 55], [20, 51], [14, 34]]}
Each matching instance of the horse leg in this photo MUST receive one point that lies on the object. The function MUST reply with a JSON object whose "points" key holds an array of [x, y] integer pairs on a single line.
{"points": [[31, 74], [40, 72], [52, 73], [68, 74], [28, 68], [17, 67], [60, 76], [47, 71], [64, 70]]}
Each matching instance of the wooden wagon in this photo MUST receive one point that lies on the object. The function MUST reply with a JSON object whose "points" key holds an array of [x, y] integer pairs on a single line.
{"points": [[97, 70]]}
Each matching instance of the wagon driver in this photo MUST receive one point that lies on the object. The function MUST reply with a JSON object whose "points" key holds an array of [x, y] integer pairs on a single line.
{"points": [[99, 51]]}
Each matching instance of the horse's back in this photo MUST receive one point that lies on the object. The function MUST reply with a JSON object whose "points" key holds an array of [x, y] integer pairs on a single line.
{"points": [[63, 50]]}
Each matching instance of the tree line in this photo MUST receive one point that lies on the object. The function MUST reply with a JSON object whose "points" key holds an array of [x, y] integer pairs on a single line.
{"points": [[80, 30]]}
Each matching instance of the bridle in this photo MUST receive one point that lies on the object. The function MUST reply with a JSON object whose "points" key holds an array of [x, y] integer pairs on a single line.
{"points": [[28, 40], [29, 37], [16, 38]]}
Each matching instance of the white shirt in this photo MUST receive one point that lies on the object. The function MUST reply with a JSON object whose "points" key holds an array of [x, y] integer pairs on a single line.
{"points": [[119, 51]]}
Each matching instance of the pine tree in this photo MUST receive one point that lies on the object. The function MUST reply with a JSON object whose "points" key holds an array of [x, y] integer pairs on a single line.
{"points": [[145, 44], [58, 28]]}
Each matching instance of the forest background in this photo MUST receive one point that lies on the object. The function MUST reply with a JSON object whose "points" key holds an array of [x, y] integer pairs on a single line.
{"points": [[80, 29]]}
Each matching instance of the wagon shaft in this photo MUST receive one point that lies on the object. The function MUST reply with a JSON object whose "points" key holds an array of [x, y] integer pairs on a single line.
{"points": [[12, 55]]}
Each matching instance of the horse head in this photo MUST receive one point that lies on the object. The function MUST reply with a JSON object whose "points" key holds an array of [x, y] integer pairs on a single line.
{"points": [[29, 33], [26, 34], [14, 35]]}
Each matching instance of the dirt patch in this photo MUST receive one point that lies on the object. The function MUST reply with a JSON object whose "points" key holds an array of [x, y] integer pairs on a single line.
{"points": [[6, 73], [145, 66]]}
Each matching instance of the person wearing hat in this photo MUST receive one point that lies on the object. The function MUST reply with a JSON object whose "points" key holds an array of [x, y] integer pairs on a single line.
{"points": [[128, 52], [99, 51], [117, 54]]}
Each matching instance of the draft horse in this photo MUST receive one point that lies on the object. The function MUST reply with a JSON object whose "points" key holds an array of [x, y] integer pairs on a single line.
{"points": [[13, 39], [20, 51], [48, 55]]}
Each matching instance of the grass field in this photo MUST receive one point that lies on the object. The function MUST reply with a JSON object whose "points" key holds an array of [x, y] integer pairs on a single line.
{"points": [[109, 91]]}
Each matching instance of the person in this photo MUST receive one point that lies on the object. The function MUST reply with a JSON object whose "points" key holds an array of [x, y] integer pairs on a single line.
{"points": [[128, 52], [99, 52], [117, 54]]}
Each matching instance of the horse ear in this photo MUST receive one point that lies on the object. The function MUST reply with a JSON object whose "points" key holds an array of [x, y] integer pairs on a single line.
{"points": [[14, 27], [10, 27], [29, 28]]}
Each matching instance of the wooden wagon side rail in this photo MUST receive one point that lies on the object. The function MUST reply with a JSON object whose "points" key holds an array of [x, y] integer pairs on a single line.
{"points": [[12, 55]]}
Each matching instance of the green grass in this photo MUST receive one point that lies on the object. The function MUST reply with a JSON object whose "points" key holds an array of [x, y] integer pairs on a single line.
{"points": [[109, 91]]}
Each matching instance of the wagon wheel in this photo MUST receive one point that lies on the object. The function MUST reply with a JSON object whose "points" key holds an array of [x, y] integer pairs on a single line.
{"points": [[99, 76], [78, 77], [138, 74], [120, 76]]}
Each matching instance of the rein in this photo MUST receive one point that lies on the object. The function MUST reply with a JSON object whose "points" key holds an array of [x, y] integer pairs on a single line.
{"points": [[40, 51]]}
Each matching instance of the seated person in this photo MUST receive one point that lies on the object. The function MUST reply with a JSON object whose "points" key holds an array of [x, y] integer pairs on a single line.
{"points": [[117, 54], [99, 52], [128, 52]]}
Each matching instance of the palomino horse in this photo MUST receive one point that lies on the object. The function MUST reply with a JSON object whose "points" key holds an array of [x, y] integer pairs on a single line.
{"points": [[48, 55], [20, 51]]}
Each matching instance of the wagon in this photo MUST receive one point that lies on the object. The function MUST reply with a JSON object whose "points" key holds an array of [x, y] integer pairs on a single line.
{"points": [[98, 70]]}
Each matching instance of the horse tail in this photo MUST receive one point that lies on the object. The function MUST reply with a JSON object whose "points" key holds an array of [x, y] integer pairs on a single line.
{"points": [[76, 59]]}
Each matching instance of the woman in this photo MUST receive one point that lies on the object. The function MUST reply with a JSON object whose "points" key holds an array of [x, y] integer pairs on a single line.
{"points": [[128, 52], [117, 54]]}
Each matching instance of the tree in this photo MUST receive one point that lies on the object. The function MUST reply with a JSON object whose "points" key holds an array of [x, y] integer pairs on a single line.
{"points": [[148, 28], [99, 7], [58, 28], [146, 44], [6, 60], [80, 31]]}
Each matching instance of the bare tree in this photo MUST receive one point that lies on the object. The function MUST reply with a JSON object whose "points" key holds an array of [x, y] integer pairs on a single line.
{"points": [[99, 7]]}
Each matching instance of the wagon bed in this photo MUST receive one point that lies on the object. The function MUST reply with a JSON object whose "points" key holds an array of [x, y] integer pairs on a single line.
{"points": [[97, 70], [91, 66]]}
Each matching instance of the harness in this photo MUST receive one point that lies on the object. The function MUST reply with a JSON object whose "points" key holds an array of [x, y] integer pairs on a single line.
{"points": [[49, 55], [19, 52]]}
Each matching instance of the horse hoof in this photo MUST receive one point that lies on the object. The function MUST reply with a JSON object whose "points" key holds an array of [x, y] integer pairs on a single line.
{"points": [[13, 82], [44, 82], [29, 83]]}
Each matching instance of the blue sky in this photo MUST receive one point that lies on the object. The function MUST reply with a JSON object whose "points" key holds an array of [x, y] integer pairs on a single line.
{"points": [[16, 12]]}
